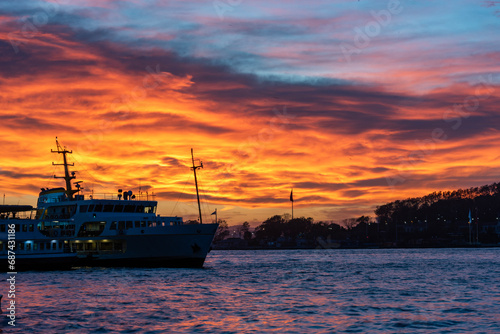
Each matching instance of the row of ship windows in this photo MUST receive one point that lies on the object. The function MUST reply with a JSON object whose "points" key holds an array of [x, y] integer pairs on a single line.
{"points": [[122, 225], [30, 245], [117, 208], [19, 227], [35, 246], [31, 227]]}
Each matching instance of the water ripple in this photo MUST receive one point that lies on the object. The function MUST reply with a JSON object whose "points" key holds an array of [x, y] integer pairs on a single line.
{"points": [[320, 291]]}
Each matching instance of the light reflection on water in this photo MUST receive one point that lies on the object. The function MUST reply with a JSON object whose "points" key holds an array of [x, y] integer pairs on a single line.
{"points": [[293, 291]]}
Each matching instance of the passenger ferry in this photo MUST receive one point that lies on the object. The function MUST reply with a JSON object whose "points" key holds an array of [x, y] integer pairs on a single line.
{"points": [[67, 230]]}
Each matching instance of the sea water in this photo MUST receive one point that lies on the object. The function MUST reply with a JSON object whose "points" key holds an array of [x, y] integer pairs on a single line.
{"points": [[272, 291]]}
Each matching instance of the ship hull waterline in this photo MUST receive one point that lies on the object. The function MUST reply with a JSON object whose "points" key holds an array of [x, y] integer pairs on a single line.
{"points": [[186, 247], [46, 262], [171, 250]]}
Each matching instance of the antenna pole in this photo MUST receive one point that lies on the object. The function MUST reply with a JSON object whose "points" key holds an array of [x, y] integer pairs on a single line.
{"points": [[196, 183], [66, 176], [477, 229]]}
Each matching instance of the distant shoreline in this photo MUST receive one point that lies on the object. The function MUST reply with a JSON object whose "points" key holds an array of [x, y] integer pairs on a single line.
{"points": [[372, 247]]}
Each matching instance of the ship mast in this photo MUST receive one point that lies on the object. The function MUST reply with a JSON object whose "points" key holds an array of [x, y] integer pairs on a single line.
{"points": [[66, 176], [194, 168]]}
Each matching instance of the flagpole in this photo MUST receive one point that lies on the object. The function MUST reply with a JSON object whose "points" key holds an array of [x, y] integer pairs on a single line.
{"points": [[470, 228], [477, 229], [214, 213]]}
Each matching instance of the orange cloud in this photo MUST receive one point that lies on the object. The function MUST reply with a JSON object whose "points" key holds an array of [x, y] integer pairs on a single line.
{"points": [[132, 115]]}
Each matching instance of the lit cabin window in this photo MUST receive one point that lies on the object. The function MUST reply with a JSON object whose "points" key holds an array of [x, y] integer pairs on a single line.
{"points": [[150, 209]]}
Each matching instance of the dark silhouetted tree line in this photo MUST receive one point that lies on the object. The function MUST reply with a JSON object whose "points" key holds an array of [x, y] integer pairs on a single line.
{"points": [[442, 217], [435, 220], [303, 232]]}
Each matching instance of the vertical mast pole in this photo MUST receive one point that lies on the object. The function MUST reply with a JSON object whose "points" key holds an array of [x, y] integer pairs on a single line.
{"points": [[470, 223], [470, 234], [196, 183], [477, 229], [66, 176]]}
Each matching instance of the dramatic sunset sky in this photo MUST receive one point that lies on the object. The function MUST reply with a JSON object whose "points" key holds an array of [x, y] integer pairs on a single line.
{"points": [[351, 103]]}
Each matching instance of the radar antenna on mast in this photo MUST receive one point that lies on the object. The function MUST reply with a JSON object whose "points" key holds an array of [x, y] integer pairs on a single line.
{"points": [[60, 150]]}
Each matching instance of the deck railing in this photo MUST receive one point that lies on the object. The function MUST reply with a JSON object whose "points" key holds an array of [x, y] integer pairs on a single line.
{"points": [[112, 196]]}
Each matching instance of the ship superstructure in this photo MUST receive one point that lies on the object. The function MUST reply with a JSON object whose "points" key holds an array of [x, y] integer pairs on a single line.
{"points": [[68, 229]]}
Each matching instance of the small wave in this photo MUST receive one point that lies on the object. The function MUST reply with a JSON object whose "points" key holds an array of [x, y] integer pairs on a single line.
{"points": [[459, 310]]}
